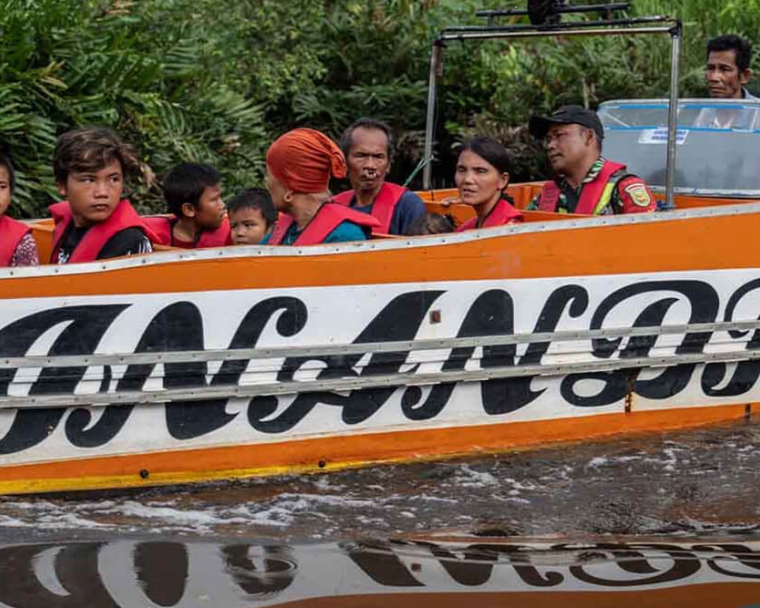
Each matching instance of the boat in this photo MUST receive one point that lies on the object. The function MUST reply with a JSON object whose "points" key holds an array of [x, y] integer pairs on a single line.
{"points": [[193, 366], [492, 572], [211, 364]]}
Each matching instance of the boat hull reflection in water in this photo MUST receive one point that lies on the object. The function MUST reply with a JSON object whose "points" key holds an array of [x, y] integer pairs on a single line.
{"points": [[408, 573]]}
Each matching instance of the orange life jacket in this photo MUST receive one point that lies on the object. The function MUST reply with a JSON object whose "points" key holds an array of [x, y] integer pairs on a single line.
{"points": [[383, 207], [162, 225], [124, 216], [11, 233], [327, 219], [502, 213], [595, 195]]}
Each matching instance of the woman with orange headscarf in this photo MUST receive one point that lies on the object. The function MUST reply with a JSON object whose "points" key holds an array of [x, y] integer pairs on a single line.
{"points": [[299, 166]]}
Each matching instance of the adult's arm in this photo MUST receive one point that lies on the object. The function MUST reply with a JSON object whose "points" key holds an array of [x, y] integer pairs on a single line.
{"points": [[634, 196]]}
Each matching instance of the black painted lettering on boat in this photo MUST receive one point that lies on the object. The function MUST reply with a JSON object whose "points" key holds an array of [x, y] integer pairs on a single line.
{"points": [[503, 396], [86, 327], [746, 374], [400, 320], [704, 304], [179, 326]]}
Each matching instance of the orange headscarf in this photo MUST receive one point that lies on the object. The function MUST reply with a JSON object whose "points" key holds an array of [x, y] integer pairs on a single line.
{"points": [[304, 160]]}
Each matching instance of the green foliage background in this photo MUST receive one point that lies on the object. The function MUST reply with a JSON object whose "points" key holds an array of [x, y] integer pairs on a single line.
{"points": [[218, 80]]}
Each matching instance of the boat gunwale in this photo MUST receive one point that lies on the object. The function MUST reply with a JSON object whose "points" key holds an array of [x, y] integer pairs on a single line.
{"points": [[483, 234]]}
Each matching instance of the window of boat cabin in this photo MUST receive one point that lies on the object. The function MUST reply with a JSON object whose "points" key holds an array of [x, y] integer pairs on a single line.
{"points": [[717, 143]]}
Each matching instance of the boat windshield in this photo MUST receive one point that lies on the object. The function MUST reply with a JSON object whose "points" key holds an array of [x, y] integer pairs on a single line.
{"points": [[717, 144]]}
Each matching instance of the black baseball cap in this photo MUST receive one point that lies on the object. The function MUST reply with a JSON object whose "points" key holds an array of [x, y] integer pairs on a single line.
{"points": [[567, 115]]}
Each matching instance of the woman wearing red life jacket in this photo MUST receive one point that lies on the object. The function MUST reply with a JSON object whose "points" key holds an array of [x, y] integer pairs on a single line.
{"points": [[299, 166], [17, 246], [482, 175]]}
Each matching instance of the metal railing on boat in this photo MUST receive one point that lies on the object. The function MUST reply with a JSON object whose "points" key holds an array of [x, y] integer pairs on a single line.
{"points": [[605, 363]]}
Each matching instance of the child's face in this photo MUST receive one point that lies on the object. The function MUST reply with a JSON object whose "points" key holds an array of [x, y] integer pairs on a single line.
{"points": [[93, 195], [209, 214], [248, 226], [5, 190]]}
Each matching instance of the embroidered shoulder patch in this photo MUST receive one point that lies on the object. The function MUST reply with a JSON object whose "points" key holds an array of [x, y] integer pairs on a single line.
{"points": [[639, 195]]}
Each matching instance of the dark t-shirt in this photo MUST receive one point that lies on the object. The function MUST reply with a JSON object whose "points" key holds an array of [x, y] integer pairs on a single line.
{"points": [[409, 208], [129, 241]]}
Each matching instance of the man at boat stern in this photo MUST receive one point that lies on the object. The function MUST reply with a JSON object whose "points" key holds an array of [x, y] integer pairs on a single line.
{"points": [[368, 146], [726, 73], [728, 67], [584, 182]]}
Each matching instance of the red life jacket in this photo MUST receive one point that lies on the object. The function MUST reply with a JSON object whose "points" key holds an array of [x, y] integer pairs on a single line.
{"points": [[162, 225], [383, 207], [591, 194], [503, 213], [11, 233], [327, 219], [123, 217]]}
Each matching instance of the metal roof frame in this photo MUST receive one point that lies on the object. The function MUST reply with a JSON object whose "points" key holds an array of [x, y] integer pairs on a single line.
{"points": [[655, 25]]}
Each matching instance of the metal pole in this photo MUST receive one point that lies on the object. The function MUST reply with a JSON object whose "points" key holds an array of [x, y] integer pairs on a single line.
{"points": [[675, 61], [436, 58], [591, 26]]}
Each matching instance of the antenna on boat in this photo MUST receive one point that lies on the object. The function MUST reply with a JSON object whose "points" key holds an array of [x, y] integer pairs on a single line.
{"points": [[545, 18]]}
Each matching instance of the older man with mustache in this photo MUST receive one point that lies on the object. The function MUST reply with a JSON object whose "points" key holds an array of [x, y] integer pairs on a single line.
{"points": [[367, 145]]}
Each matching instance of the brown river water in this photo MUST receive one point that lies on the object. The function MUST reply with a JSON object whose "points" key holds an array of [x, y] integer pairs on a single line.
{"points": [[668, 488], [689, 482]]}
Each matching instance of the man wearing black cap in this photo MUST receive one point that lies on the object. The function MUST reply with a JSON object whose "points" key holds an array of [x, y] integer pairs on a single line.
{"points": [[584, 182]]}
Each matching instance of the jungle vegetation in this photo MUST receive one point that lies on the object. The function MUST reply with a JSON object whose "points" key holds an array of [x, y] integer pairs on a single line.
{"points": [[217, 80]]}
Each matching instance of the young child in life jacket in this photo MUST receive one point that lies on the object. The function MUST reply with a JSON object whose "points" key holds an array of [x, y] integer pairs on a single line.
{"points": [[17, 246], [430, 223], [252, 215], [91, 165], [197, 219]]}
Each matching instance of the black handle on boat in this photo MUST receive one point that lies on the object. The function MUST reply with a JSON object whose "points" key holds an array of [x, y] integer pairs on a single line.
{"points": [[547, 12]]}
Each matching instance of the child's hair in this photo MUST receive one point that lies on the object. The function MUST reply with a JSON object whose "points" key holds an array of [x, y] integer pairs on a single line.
{"points": [[254, 198], [91, 149], [430, 223], [186, 182], [5, 161]]}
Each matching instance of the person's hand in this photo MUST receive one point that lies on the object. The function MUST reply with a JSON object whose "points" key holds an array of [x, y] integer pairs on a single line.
{"points": [[450, 200]]}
